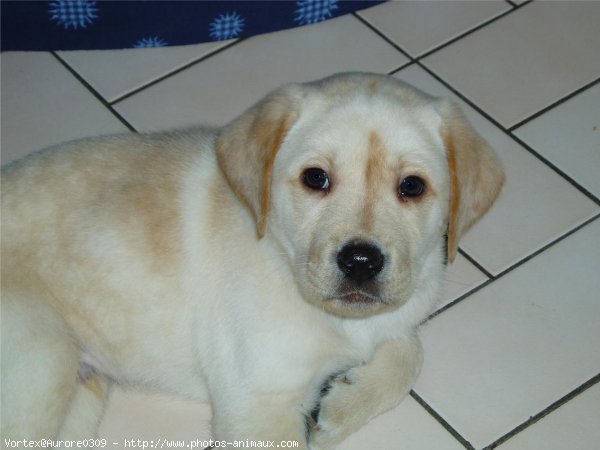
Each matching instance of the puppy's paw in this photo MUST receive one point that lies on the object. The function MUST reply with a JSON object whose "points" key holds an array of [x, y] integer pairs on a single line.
{"points": [[344, 407], [351, 398]]}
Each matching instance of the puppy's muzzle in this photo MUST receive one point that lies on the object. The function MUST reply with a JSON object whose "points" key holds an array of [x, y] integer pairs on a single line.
{"points": [[360, 262]]}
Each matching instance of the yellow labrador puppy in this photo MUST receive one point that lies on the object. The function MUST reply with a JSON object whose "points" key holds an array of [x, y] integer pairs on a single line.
{"points": [[277, 267]]}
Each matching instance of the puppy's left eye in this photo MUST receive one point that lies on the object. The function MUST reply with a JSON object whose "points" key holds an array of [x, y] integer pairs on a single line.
{"points": [[412, 186], [316, 179]]}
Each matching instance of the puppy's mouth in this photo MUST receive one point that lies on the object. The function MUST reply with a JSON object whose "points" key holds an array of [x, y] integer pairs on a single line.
{"points": [[353, 301], [356, 303], [359, 297]]}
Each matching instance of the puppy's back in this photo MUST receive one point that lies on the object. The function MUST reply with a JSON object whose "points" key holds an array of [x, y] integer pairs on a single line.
{"points": [[60, 199]]}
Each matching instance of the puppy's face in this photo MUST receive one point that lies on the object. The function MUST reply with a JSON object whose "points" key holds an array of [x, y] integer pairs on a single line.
{"points": [[360, 195], [358, 177]]}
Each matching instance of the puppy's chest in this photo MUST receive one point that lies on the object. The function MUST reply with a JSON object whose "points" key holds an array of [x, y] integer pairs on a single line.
{"points": [[300, 353]]}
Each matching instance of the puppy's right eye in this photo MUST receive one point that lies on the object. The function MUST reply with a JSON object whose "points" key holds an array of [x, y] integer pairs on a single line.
{"points": [[316, 179]]}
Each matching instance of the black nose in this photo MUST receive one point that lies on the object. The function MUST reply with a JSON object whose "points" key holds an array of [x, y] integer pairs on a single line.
{"points": [[360, 261]]}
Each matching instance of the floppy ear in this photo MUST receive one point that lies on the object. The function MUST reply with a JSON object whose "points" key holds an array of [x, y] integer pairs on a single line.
{"points": [[246, 149], [476, 175]]}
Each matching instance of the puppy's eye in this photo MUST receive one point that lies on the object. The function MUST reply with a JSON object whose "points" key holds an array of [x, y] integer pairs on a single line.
{"points": [[316, 179], [412, 187]]}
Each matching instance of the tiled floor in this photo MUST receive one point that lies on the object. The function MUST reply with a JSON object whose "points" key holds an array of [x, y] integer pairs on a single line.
{"points": [[512, 357]]}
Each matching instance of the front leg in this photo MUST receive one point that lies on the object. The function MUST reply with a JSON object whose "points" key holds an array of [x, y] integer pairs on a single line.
{"points": [[354, 397]]}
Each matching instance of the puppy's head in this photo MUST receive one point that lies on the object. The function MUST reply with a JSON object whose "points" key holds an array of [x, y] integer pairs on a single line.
{"points": [[359, 178]]}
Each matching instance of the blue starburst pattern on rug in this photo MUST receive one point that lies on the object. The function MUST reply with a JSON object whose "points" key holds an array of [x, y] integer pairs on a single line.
{"points": [[150, 42], [313, 11], [226, 26], [73, 13]]}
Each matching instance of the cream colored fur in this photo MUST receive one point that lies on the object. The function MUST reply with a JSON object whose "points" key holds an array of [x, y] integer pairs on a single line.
{"points": [[197, 263]]}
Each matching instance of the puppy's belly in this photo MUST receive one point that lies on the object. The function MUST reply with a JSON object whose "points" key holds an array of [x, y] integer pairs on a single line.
{"points": [[155, 361]]}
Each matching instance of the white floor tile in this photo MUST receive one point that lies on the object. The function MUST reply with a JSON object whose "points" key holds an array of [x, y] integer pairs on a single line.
{"points": [[536, 206], [569, 136], [420, 26], [573, 426], [526, 60], [43, 104], [114, 73], [220, 88], [407, 427], [519, 344]]}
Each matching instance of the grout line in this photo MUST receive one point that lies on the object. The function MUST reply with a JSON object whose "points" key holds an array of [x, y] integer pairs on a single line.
{"points": [[518, 5], [466, 444], [94, 92], [402, 67], [554, 105], [555, 168], [468, 32], [176, 71], [457, 300], [501, 127], [382, 35], [444, 44], [475, 263], [554, 406], [513, 267], [461, 96]]}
